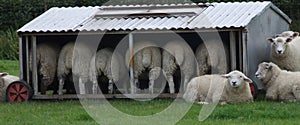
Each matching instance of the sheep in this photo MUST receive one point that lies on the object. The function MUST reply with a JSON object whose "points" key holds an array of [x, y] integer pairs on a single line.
{"points": [[105, 62], [178, 54], [288, 34], [285, 52], [5, 80], [280, 85], [229, 88], [146, 57], [46, 60], [74, 62], [212, 60]]}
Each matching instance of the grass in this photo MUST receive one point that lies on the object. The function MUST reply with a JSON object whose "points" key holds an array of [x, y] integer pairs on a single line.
{"points": [[12, 67], [72, 112]]}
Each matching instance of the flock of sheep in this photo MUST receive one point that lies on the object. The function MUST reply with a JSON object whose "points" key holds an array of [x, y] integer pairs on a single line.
{"points": [[280, 84], [279, 77], [55, 63]]}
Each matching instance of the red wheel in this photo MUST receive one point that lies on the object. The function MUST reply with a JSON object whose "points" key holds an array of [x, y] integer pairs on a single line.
{"points": [[18, 92]]}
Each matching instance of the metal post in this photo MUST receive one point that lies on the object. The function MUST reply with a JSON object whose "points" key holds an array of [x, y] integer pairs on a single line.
{"points": [[34, 66], [131, 63], [233, 50], [27, 60], [245, 53], [21, 58]]}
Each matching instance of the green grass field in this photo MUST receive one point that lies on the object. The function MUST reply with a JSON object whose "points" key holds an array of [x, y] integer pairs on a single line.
{"points": [[72, 112]]}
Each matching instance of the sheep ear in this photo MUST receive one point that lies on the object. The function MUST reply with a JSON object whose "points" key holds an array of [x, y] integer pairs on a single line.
{"points": [[277, 35], [226, 76], [271, 40], [269, 67], [289, 40], [3, 74], [296, 34], [247, 79]]}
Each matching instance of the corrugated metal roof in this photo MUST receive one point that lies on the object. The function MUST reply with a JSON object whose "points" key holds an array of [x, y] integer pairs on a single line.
{"points": [[150, 17]]}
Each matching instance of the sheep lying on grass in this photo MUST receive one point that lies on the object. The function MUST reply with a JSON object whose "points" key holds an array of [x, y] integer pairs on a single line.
{"points": [[285, 52], [5, 80], [74, 61], [231, 88], [212, 61], [177, 54], [146, 57], [107, 63], [279, 84], [46, 59]]}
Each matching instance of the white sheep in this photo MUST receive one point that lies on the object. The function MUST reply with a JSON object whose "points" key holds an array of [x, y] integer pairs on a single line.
{"points": [[229, 88], [285, 52], [212, 58], [46, 60], [288, 34], [74, 64], [178, 54], [107, 63], [280, 85], [5, 80], [147, 57]]}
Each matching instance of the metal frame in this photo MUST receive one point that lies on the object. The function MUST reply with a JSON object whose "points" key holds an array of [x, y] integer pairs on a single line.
{"points": [[233, 33]]}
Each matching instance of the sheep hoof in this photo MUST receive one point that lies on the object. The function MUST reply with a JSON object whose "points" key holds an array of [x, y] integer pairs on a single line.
{"points": [[203, 103]]}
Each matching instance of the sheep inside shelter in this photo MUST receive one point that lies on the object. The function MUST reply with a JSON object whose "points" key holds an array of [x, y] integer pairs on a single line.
{"points": [[178, 54], [74, 64], [46, 57], [210, 57], [106, 63], [146, 58]]}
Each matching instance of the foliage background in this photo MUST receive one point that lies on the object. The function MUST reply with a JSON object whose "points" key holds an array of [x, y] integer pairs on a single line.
{"points": [[15, 13]]}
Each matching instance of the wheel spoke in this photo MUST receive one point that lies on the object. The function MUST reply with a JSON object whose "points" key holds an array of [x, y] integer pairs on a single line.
{"points": [[23, 89], [12, 97], [12, 90], [17, 87], [24, 96], [19, 99]]}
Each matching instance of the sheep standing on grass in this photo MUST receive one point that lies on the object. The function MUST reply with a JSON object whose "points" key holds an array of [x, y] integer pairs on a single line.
{"points": [[212, 61], [279, 84], [285, 52], [229, 88], [105, 63], [46, 60], [178, 54], [5, 80], [288, 34], [74, 60], [147, 57]]}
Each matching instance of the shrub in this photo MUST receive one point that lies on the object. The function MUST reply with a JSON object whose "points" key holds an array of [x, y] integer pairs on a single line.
{"points": [[9, 47]]}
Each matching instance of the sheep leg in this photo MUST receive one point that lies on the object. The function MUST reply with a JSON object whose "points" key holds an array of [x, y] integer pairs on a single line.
{"points": [[110, 87], [151, 86], [296, 92], [81, 86], [95, 87], [61, 85], [171, 84], [132, 86], [186, 80]]}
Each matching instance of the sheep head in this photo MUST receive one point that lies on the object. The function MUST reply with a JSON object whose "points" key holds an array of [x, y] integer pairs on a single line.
{"points": [[288, 34], [237, 78], [264, 71], [279, 44]]}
